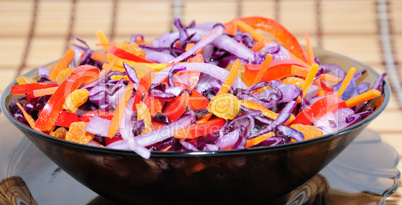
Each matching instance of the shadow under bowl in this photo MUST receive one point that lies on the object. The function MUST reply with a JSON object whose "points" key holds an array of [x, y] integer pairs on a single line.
{"points": [[256, 175]]}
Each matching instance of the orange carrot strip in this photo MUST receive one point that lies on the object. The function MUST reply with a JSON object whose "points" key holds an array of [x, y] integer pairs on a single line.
{"points": [[144, 114], [119, 111], [146, 43], [105, 44], [196, 59], [247, 28], [309, 79], [257, 140], [166, 148], [204, 118], [227, 148], [346, 81], [309, 51], [303, 72], [232, 29], [370, 94], [265, 111], [63, 63], [44, 91], [138, 39], [260, 44], [99, 56], [260, 38], [103, 40], [267, 61], [227, 84], [189, 45], [28, 117]]}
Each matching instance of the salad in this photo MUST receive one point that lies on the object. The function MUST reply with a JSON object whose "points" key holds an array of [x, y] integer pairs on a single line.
{"points": [[204, 87]]}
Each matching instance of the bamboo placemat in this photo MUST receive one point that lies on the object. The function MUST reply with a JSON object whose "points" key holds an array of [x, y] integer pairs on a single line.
{"points": [[35, 32]]}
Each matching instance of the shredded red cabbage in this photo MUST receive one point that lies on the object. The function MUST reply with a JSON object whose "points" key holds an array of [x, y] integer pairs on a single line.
{"points": [[219, 49]]}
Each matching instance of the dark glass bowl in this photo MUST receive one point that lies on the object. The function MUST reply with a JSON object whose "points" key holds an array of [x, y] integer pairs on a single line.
{"points": [[251, 176]]}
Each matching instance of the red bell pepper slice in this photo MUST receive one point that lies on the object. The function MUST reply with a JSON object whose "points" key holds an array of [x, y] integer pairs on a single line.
{"points": [[322, 106], [109, 140], [157, 125], [105, 114], [277, 69], [154, 104], [279, 32], [126, 55], [31, 98], [143, 88], [30, 87], [176, 107], [51, 110], [199, 130], [197, 100], [66, 118]]}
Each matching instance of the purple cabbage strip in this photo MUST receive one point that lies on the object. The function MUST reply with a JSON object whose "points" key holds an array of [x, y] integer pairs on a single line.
{"points": [[229, 44], [183, 35], [378, 83], [126, 130], [131, 74], [77, 57], [120, 144], [332, 122], [272, 141], [259, 85], [279, 94], [158, 56], [166, 131], [357, 117], [206, 68], [350, 91], [245, 38], [277, 51], [359, 74], [161, 91], [116, 96], [286, 131], [210, 147], [228, 139], [189, 146], [98, 126], [207, 52], [263, 120], [332, 68], [311, 93], [247, 130], [363, 87], [175, 69], [42, 71], [218, 31], [243, 95], [283, 116]]}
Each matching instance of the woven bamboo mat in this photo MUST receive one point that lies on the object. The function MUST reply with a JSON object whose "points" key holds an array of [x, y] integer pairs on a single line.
{"points": [[35, 32]]}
